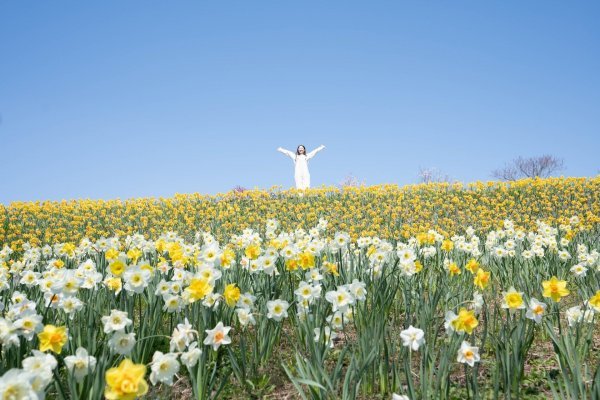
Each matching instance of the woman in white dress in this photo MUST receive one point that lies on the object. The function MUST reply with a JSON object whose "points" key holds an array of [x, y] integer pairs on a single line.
{"points": [[300, 158]]}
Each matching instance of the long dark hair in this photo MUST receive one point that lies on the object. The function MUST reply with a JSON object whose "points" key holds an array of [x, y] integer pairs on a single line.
{"points": [[298, 149]]}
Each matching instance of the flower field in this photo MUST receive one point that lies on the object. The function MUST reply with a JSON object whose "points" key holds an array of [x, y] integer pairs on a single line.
{"points": [[387, 211], [437, 291]]}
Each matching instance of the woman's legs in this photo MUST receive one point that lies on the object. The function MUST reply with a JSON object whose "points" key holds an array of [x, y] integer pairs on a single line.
{"points": [[302, 181]]}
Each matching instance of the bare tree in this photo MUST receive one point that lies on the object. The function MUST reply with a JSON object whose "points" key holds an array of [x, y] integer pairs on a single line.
{"points": [[543, 166], [432, 174], [351, 180], [508, 173], [530, 167]]}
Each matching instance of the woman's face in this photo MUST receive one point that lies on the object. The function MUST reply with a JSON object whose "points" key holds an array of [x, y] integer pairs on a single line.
{"points": [[301, 150]]}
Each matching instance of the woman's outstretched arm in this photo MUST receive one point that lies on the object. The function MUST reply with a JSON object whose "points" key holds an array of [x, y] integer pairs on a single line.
{"points": [[287, 152], [315, 151]]}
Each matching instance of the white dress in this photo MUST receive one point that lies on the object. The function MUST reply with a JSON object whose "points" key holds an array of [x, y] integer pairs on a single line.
{"points": [[301, 174]]}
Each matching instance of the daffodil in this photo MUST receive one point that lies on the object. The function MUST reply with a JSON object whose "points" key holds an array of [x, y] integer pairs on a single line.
{"points": [[218, 336], [555, 289], [594, 301], [163, 367], [53, 338], [453, 269], [277, 309], [80, 364], [465, 321], [231, 294], [447, 245], [482, 278], [472, 266], [468, 354], [513, 300], [536, 310], [198, 289], [412, 338], [125, 382]]}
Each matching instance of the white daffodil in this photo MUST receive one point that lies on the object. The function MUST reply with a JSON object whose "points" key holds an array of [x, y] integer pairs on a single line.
{"points": [[245, 316], [304, 291], [564, 255], [448, 319], [329, 335], [246, 300], [122, 343], [579, 270], [40, 365], [412, 338], [536, 310], [218, 336], [70, 305], [173, 303], [574, 315], [336, 320], [468, 354], [191, 356], [163, 367], [277, 309], [357, 289], [340, 299], [478, 302], [136, 279], [16, 384], [116, 321], [29, 324], [80, 364], [182, 336]]}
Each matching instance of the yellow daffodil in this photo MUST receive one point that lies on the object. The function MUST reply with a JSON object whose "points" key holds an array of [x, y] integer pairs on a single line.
{"points": [[112, 254], [199, 288], [418, 266], [252, 251], [134, 254], [472, 266], [125, 382], [555, 289], [231, 294], [53, 338], [466, 321], [291, 264], [227, 258], [513, 300], [595, 301], [447, 245], [331, 268], [482, 278], [306, 260], [117, 267]]}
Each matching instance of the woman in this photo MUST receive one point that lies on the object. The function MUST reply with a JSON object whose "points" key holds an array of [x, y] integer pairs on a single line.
{"points": [[301, 174]]}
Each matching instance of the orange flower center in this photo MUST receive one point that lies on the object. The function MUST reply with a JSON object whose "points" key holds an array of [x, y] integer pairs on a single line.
{"points": [[538, 310], [55, 338]]}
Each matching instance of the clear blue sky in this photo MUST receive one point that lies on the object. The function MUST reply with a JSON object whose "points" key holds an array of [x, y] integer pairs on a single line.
{"points": [[119, 99]]}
